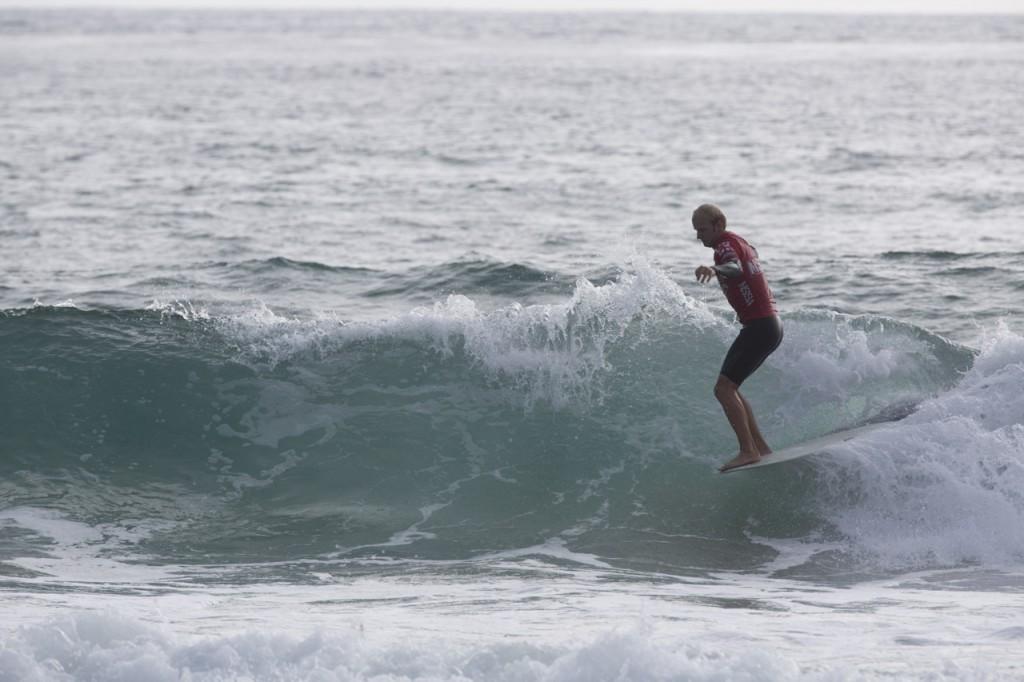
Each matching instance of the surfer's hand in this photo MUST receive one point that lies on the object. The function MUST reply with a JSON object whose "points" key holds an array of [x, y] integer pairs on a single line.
{"points": [[704, 274]]}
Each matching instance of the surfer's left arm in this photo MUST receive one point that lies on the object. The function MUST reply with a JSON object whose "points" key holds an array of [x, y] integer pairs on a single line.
{"points": [[728, 270]]}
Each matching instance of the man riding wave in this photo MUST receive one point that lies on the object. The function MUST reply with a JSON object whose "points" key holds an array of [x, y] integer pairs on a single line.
{"points": [[739, 273]]}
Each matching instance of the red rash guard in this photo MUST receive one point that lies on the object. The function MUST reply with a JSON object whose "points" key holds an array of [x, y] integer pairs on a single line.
{"points": [[748, 291]]}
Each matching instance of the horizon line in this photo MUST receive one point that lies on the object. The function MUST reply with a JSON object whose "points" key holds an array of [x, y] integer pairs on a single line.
{"points": [[207, 8]]}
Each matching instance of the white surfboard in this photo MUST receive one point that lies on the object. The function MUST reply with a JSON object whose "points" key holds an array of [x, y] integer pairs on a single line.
{"points": [[822, 445]]}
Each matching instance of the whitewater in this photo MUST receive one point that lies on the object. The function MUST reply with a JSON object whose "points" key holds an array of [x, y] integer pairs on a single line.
{"points": [[366, 346]]}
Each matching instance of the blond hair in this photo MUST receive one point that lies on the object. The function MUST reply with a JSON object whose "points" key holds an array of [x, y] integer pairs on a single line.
{"points": [[711, 213]]}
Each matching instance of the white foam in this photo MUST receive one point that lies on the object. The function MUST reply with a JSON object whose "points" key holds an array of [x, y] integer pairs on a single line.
{"points": [[66, 303], [554, 352], [104, 646], [578, 631], [78, 551], [830, 356], [555, 548], [51, 524], [944, 485], [183, 308]]}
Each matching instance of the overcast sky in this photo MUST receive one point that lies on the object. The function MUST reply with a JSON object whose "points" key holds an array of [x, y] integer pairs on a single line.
{"points": [[857, 6]]}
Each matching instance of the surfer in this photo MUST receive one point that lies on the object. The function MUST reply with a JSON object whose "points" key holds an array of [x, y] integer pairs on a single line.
{"points": [[739, 274]]}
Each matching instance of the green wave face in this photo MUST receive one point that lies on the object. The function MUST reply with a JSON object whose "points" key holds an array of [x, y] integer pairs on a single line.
{"points": [[444, 434]]}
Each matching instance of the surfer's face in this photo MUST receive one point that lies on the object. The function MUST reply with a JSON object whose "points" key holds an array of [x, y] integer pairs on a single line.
{"points": [[707, 230]]}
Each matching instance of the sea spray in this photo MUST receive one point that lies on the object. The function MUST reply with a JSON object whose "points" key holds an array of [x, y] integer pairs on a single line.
{"points": [[943, 486]]}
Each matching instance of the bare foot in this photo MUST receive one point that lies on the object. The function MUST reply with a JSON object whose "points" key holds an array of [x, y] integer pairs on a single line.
{"points": [[742, 459]]}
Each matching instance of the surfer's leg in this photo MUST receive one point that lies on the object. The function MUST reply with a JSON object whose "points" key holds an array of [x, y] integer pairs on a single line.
{"points": [[736, 412], [756, 341], [755, 432]]}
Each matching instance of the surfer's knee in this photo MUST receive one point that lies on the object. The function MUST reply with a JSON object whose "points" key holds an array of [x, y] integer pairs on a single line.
{"points": [[725, 388]]}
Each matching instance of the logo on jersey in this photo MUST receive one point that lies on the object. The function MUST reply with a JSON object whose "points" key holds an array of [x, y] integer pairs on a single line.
{"points": [[724, 251], [748, 295]]}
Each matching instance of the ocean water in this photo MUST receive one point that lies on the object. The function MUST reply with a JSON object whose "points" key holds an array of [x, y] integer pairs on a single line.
{"points": [[366, 346]]}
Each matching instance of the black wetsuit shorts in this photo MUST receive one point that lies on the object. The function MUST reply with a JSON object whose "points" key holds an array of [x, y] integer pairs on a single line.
{"points": [[757, 340]]}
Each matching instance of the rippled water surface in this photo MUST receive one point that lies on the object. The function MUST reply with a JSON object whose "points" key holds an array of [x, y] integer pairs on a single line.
{"points": [[362, 163]]}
